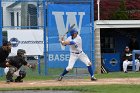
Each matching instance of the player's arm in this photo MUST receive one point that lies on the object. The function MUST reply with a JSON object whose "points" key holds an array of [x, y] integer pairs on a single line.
{"points": [[8, 63], [68, 43], [124, 57], [25, 63], [30, 65]]}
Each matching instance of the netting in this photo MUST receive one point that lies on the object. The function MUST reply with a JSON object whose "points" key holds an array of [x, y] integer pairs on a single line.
{"points": [[22, 15]]}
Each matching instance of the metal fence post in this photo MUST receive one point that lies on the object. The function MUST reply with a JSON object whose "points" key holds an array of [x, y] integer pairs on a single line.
{"points": [[92, 28], [1, 70], [0, 23], [45, 34]]}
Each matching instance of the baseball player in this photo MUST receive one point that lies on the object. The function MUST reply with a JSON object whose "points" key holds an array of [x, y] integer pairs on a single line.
{"points": [[14, 64], [127, 60], [76, 52], [5, 50]]}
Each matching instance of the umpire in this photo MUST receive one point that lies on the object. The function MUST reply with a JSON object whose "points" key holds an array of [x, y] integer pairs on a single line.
{"points": [[14, 67], [5, 50]]}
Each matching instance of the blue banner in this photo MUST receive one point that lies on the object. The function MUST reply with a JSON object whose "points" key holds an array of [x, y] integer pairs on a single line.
{"points": [[60, 16]]}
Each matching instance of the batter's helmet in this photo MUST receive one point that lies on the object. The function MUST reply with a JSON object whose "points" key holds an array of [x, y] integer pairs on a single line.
{"points": [[73, 31], [21, 51]]}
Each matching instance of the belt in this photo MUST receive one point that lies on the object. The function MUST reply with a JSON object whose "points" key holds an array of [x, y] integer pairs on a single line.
{"points": [[77, 52]]}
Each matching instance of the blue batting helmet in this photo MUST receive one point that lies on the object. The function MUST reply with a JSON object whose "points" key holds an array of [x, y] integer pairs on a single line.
{"points": [[73, 31]]}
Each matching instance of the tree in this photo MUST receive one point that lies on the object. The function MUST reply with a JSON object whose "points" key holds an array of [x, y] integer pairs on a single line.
{"points": [[118, 9], [121, 13]]}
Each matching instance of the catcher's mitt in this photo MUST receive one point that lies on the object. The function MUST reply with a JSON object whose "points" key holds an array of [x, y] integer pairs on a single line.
{"points": [[33, 66]]}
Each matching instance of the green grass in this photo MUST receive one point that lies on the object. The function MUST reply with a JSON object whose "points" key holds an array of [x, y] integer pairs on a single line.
{"points": [[32, 76], [88, 89], [119, 75]]}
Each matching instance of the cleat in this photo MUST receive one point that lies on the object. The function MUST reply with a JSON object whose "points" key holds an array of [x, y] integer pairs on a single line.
{"points": [[11, 80], [125, 72], [18, 81], [93, 79], [60, 78], [7, 81]]}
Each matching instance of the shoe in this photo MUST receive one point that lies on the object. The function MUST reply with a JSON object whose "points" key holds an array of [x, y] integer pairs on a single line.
{"points": [[60, 78], [7, 81], [20, 81], [93, 79], [11, 80], [125, 72]]}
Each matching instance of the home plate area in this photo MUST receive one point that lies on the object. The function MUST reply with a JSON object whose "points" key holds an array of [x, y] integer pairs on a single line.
{"points": [[70, 82]]}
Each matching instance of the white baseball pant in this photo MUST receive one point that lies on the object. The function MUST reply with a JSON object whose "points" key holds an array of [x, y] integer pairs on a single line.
{"points": [[126, 63], [73, 57]]}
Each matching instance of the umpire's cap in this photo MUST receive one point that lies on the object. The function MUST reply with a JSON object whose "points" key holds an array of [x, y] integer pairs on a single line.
{"points": [[6, 43], [73, 31], [21, 51]]}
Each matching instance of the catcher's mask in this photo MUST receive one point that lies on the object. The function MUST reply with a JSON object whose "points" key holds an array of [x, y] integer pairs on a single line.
{"points": [[21, 52]]}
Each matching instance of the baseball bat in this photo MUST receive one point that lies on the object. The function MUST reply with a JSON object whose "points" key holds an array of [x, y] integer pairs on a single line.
{"points": [[69, 29], [72, 26]]}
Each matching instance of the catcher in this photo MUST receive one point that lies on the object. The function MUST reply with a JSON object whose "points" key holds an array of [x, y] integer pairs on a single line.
{"points": [[14, 64]]}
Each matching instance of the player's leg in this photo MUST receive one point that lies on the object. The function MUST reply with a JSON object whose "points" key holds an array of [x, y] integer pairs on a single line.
{"points": [[84, 58], [10, 73], [6, 71], [71, 63], [125, 65], [137, 63], [22, 74]]}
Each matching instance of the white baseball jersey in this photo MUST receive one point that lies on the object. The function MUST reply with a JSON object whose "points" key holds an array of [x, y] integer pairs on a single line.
{"points": [[77, 47]]}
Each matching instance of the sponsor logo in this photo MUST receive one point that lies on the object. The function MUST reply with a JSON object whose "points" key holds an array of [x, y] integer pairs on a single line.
{"points": [[113, 62], [15, 42]]}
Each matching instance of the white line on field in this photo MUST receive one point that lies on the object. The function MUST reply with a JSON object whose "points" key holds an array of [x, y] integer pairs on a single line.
{"points": [[33, 83]]}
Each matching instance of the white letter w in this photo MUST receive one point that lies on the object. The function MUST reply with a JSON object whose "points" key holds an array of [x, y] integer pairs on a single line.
{"points": [[71, 19]]}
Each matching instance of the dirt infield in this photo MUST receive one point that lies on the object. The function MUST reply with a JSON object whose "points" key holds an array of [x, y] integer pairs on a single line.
{"points": [[70, 82]]}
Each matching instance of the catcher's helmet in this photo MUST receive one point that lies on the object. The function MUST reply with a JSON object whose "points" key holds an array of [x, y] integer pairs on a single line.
{"points": [[73, 31], [21, 51]]}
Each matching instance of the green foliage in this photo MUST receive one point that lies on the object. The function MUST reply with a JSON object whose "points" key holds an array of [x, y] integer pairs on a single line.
{"points": [[4, 33], [121, 13], [122, 5]]}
